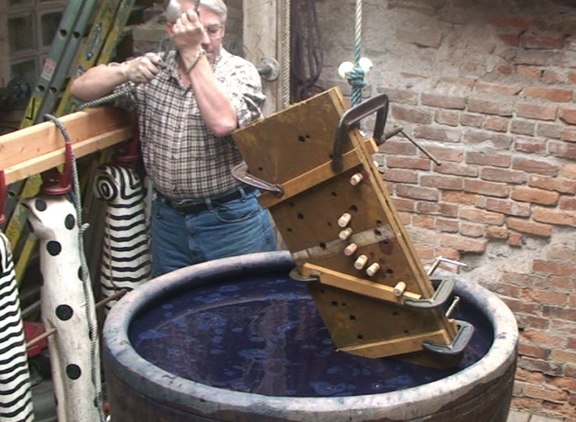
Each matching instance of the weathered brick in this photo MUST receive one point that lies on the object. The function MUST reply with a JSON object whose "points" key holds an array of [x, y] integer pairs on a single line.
{"points": [[438, 133], [411, 114], [553, 268], [497, 233], [514, 21], [401, 176], [567, 203], [452, 154], [559, 218], [447, 225], [552, 183], [535, 166], [529, 227], [426, 37], [525, 280], [531, 321], [501, 108], [496, 140], [503, 175], [568, 171], [535, 196], [515, 239], [522, 127], [399, 95], [505, 206], [459, 197], [488, 158], [414, 163], [568, 115], [496, 123], [563, 356], [443, 101], [481, 216], [472, 230], [536, 111], [562, 149], [463, 244], [403, 204], [547, 298], [533, 72], [554, 395], [549, 130], [551, 94], [398, 148], [416, 192], [536, 41], [442, 182], [447, 117], [435, 208], [486, 188], [563, 284], [513, 40], [536, 58], [569, 134], [530, 144], [522, 307], [424, 252], [498, 88], [457, 169], [472, 120], [553, 76], [425, 221]]}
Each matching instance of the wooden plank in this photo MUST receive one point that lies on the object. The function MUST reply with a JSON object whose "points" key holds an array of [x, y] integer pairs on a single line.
{"points": [[41, 147], [263, 17], [356, 284], [311, 178]]}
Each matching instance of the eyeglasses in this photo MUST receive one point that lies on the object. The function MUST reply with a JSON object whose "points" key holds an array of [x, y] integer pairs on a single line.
{"points": [[215, 31]]}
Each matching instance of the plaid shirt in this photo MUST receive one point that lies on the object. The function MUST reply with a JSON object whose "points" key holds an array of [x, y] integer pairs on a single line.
{"points": [[182, 157]]}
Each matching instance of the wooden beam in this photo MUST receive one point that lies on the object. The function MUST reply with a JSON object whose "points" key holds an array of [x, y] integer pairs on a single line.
{"points": [[38, 148], [264, 33]]}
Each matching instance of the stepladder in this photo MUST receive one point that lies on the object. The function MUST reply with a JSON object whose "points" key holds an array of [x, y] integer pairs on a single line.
{"points": [[335, 214]]}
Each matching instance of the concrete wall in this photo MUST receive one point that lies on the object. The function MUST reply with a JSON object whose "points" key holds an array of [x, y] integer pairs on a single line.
{"points": [[486, 86]]}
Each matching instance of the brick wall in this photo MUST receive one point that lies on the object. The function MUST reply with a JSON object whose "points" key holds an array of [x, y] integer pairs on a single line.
{"points": [[488, 88]]}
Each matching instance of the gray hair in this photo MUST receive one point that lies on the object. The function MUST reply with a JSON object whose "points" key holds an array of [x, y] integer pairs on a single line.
{"points": [[173, 9]]}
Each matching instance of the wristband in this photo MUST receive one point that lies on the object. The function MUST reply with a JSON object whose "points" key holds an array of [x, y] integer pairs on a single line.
{"points": [[201, 52]]}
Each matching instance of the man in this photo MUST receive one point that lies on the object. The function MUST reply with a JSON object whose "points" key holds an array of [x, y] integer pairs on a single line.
{"points": [[187, 108]]}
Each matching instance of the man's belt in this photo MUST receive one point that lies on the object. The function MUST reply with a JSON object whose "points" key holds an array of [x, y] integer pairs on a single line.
{"points": [[192, 206]]}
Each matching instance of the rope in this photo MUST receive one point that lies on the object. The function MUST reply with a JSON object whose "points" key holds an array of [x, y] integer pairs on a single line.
{"points": [[356, 76], [285, 45], [92, 325]]}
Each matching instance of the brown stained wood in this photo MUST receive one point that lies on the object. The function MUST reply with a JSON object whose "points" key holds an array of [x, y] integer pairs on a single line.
{"points": [[293, 149], [38, 148]]}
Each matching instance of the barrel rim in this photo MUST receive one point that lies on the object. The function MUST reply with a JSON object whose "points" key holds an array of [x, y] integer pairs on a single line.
{"points": [[154, 382]]}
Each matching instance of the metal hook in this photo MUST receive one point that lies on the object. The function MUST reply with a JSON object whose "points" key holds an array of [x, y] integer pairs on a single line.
{"points": [[127, 152], [55, 182]]}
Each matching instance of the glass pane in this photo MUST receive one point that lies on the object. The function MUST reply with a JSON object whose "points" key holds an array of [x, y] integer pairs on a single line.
{"points": [[25, 72], [21, 33], [49, 25]]}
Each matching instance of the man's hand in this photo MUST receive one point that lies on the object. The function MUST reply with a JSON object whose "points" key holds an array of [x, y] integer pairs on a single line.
{"points": [[144, 68], [188, 32]]}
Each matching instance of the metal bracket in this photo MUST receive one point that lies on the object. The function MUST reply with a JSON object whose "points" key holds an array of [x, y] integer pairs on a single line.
{"points": [[459, 343], [55, 182], [378, 105], [269, 69], [440, 296], [240, 173]]}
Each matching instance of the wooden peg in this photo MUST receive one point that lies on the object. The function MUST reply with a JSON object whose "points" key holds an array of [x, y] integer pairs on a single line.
{"points": [[350, 249], [344, 219], [356, 179], [360, 262], [372, 269], [399, 288], [345, 234]]}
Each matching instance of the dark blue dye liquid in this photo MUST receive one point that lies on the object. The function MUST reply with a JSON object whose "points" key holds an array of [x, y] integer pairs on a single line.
{"points": [[264, 335]]}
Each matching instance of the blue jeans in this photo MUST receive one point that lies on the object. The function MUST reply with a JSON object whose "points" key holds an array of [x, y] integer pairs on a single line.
{"points": [[237, 227]]}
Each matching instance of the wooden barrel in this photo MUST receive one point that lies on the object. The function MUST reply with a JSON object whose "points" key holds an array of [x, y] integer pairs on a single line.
{"points": [[139, 391]]}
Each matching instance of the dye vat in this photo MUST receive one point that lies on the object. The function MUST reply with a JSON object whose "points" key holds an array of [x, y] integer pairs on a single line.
{"points": [[237, 340]]}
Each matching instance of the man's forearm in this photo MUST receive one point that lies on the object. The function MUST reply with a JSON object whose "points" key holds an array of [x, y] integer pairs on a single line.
{"points": [[98, 82]]}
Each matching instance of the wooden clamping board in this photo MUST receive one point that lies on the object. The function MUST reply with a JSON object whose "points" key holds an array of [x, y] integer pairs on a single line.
{"points": [[343, 230]]}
